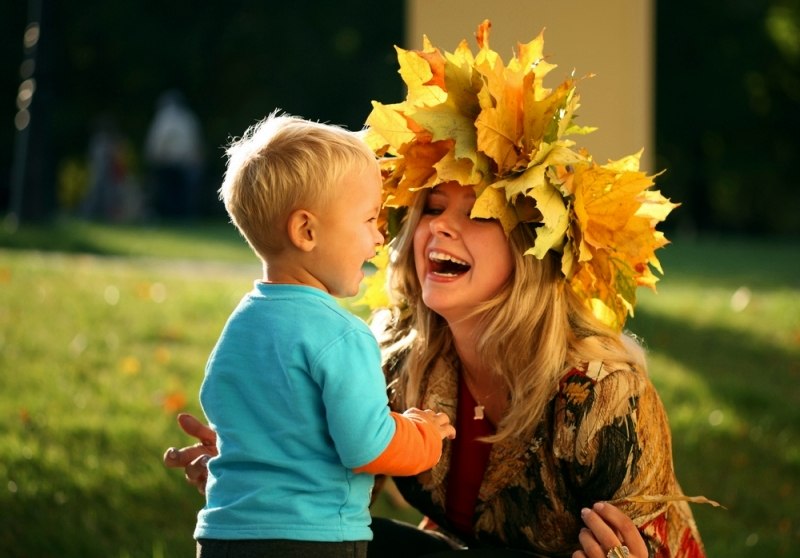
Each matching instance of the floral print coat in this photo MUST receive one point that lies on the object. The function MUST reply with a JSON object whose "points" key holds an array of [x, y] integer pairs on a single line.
{"points": [[605, 437]]}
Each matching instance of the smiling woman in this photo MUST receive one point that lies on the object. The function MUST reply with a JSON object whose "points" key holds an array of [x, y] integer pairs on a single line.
{"points": [[459, 260]]}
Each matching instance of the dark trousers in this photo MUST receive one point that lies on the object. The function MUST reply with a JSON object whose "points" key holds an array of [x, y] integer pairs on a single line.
{"points": [[395, 539], [279, 548]]}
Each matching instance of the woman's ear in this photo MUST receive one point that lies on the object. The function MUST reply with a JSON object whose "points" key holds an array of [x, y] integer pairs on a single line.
{"points": [[302, 229]]}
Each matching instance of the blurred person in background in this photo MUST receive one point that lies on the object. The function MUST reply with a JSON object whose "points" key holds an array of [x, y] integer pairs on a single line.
{"points": [[174, 155]]}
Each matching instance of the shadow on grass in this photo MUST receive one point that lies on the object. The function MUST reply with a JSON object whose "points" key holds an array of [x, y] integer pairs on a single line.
{"points": [[751, 373], [745, 450], [216, 240]]}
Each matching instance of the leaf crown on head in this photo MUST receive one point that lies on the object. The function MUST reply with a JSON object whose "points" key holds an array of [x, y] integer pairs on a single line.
{"points": [[470, 119]]}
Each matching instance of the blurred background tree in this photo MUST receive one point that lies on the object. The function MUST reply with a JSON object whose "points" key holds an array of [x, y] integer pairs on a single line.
{"points": [[727, 90], [728, 111], [234, 62]]}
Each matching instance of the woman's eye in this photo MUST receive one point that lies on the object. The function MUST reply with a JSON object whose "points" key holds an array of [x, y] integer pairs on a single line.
{"points": [[484, 219]]}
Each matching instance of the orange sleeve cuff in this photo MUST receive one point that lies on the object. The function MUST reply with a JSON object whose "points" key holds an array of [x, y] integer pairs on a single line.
{"points": [[415, 447]]}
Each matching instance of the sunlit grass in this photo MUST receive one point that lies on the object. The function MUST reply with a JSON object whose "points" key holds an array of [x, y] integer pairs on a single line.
{"points": [[104, 340]]}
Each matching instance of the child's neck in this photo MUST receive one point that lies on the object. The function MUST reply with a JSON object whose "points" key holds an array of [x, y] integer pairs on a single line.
{"points": [[280, 274]]}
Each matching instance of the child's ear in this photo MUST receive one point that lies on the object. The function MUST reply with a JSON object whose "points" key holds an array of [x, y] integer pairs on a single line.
{"points": [[302, 229]]}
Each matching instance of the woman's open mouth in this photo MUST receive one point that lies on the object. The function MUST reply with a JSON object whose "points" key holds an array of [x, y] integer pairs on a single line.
{"points": [[445, 265]]}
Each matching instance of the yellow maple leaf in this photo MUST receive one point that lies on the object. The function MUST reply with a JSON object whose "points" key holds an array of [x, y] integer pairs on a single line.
{"points": [[550, 203], [614, 238], [461, 82], [499, 124], [464, 170], [444, 121], [606, 287], [518, 112], [655, 206], [606, 200], [373, 290], [417, 68], [491, 203], [419, 166], [387, 126]]}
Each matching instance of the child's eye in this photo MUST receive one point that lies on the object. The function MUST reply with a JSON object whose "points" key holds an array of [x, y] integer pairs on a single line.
{"points": [[429, 210]]}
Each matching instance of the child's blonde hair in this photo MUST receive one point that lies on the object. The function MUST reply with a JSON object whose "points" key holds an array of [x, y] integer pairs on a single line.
{"points": [[533, 331], [284, 163]]}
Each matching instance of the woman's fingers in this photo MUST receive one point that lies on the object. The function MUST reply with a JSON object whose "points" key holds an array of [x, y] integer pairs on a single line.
{"points": [[625, 529], [590, 544], [607, 528], [599, 532]]}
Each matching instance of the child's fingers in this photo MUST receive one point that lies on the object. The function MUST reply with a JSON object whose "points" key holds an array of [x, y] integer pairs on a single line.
{"points": [[177, 458], [196, 473], [441, 419], [197, 429]]}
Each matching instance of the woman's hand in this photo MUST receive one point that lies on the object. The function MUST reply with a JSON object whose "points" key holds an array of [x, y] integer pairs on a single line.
{"points": [[194, 458], [608, 534]]}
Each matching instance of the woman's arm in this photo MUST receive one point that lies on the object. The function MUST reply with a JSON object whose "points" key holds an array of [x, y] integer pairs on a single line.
{"points": [[606, 419]]}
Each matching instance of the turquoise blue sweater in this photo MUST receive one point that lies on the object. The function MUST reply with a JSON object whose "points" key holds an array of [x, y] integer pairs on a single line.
{"points": [[295, 392]]}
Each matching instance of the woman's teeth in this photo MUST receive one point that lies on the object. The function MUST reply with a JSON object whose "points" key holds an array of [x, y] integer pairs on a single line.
{"points": [[447, 265]]}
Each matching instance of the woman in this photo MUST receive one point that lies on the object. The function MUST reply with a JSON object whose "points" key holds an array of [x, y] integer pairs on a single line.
{"points": [[512, 273]]}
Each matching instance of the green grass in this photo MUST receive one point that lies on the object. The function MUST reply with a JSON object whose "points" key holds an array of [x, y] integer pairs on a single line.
{"points": [[104, 332]]}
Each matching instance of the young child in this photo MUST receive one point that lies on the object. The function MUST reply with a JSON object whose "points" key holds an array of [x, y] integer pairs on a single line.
{"points": [[294, 387]]}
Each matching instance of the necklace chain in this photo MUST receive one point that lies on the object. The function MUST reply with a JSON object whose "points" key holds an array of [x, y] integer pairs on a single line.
{"points": [[480, 407]]}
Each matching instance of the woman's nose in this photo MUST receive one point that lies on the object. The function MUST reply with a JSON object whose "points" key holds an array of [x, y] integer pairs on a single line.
{"points": [[443, 224]]}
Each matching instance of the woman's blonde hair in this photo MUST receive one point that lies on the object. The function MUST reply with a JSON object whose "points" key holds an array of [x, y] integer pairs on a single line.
{"points": [[533, 331], [283, 163]]}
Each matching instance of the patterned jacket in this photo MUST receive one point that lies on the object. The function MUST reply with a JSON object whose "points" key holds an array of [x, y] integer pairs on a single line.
{"points": [[605, 437]]}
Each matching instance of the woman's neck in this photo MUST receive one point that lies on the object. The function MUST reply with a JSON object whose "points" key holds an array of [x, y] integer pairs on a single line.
{"points": [[465, 341], [486, 386]]}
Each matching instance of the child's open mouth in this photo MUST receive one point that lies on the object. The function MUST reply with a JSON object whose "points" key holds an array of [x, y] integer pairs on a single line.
{"points": [[446, 265]]}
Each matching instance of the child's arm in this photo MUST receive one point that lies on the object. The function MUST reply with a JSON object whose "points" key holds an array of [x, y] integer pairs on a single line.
{"points": [[416, 445]]}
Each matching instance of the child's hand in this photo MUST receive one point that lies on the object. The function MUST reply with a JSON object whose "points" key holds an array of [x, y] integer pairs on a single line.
{"points": [[193, 459], [440, 420]]}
